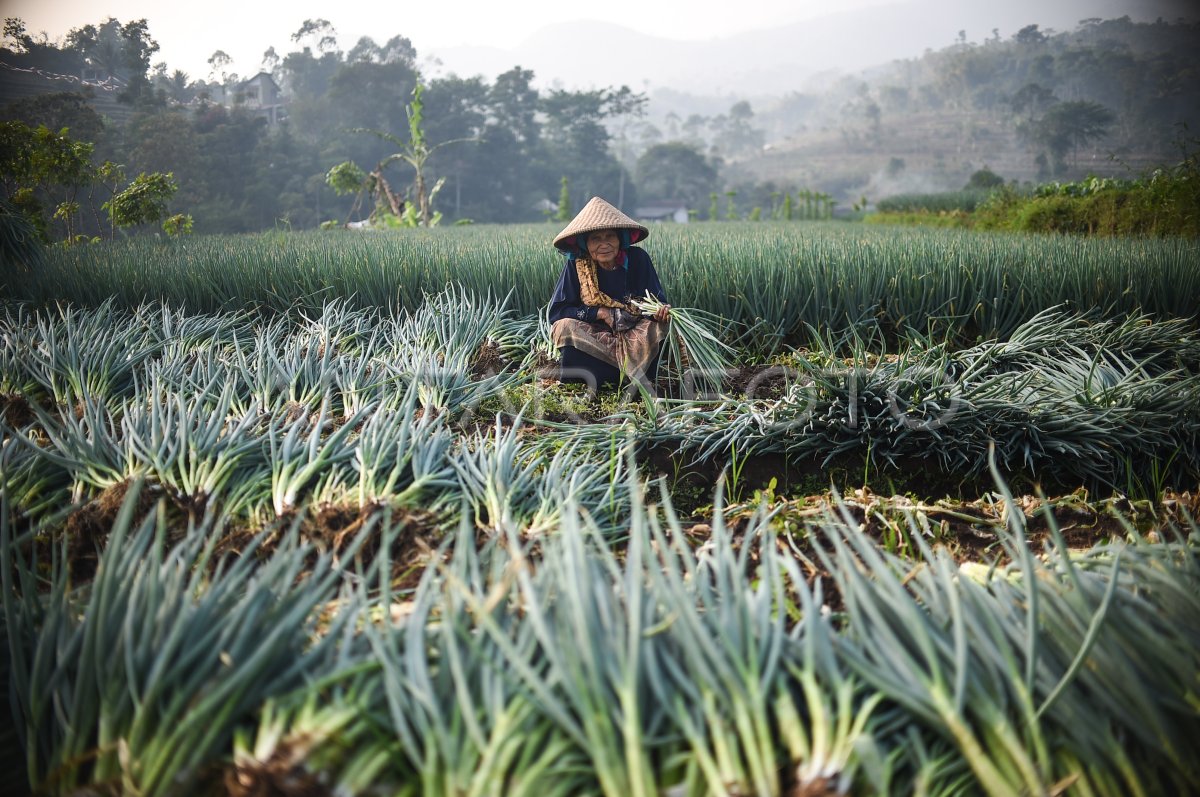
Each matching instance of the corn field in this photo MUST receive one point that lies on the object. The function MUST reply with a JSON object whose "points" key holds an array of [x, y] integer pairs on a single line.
{"points": [[294, 517]]}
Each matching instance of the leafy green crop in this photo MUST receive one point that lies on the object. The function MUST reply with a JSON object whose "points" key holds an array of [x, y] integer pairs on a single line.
{"points": [[770, 284]]}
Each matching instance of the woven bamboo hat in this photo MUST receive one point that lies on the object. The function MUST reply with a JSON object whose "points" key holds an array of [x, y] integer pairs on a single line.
{"points": [[598, 215]]}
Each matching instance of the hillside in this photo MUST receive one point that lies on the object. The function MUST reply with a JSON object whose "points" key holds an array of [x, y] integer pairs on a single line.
{"points": [[22, 84], [782, 57], [1017, 106], [919, 152]]}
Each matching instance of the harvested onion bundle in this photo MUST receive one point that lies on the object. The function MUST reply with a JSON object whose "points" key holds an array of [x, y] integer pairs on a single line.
{"points": [[693, 357]]}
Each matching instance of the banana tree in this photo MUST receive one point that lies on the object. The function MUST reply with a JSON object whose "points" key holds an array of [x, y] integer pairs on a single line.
{"points": [[415, 152]]}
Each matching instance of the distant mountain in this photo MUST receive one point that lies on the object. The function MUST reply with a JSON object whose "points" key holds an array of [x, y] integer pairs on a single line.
{"points": [[608, 54], [781, 59]]}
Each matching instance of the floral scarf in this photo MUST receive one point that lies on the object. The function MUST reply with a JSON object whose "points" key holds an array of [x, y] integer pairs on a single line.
{"points": [[589, 288]]}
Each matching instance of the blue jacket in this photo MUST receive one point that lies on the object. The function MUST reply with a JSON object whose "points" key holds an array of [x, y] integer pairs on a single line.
{"points": [[622, 284]]}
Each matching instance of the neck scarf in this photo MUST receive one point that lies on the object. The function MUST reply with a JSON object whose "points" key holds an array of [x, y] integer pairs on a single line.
{"points": [[589, 288]]}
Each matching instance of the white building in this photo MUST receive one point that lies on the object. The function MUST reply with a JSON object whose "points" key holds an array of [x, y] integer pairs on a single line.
{"points": [[665, 211]]}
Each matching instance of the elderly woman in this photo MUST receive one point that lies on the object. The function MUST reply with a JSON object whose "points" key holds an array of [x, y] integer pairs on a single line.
{"points": [[597, 329]]}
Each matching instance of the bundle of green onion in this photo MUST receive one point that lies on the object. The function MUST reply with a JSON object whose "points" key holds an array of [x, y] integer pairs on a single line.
{"points": [[694, 359]]}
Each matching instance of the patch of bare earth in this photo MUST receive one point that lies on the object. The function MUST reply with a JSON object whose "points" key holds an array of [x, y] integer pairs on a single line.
{"points": [[413, 535], [87, 528], [488, 361], [16, 410], [281, 775]]}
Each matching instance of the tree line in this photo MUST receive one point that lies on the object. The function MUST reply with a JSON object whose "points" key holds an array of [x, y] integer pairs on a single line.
{"points": [[1110, 81], [235, 172], [1123, 85]]}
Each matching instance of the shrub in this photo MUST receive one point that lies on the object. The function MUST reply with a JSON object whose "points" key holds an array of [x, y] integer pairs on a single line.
{"points": [[20, 239], [1051, 214], [984, 180]]}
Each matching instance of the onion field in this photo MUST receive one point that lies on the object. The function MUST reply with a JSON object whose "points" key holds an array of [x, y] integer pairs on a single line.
{"points": [[906, 512], [774, 284]]}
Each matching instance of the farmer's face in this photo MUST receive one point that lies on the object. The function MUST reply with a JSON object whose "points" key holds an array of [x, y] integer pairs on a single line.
{"points": [[603, 246]]}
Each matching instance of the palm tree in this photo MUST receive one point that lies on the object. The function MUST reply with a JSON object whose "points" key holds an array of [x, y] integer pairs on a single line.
{"points": [[178, 88]]}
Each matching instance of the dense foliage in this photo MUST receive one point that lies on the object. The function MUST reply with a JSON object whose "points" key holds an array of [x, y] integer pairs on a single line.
{"points": [[52, 181], [238, 174], [1163, 202]]}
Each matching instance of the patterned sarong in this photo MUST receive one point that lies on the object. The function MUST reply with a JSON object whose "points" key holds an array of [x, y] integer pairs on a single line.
{"points": [[632, 351]]}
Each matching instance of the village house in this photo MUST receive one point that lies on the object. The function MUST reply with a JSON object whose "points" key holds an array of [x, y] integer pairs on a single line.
{"points": [[663, 211], [262, 97]]}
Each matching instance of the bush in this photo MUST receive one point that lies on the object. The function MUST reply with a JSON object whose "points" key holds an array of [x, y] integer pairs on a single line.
{"points": [[143, 201], [1051, 214], [1164, 202], [20, 242], [1165, 205], [984, 180]]}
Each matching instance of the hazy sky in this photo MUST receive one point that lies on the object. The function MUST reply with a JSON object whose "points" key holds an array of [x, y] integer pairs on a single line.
{"points": [[188, 33]]}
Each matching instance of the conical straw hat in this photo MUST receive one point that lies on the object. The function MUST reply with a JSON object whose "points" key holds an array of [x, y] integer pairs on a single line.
{"points": [[598, 215]]}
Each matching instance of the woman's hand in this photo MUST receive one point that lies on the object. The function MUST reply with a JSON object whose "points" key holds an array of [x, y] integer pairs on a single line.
{"points": [[663, 313], [606, 315]]}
